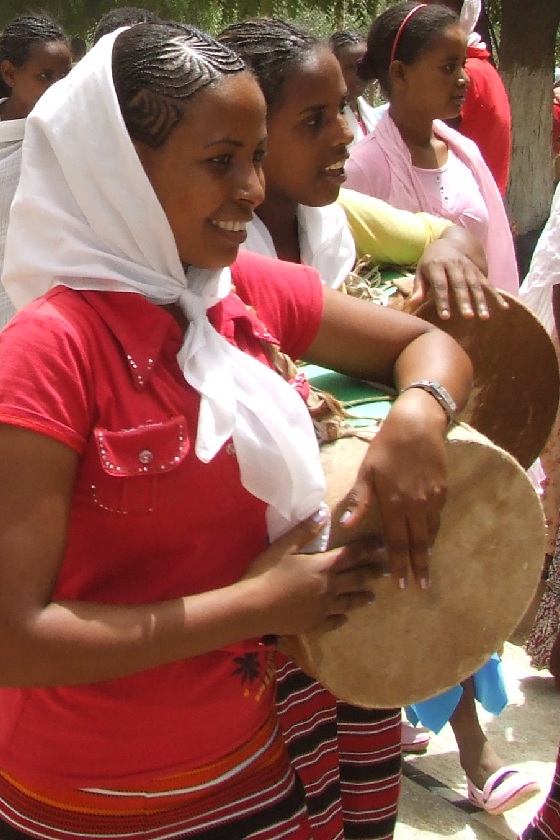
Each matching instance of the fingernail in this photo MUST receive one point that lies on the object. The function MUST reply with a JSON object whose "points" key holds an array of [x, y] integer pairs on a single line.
{"points": [[345, 517], [320, 516], [402, 583], [371, 599], [425, 583]]}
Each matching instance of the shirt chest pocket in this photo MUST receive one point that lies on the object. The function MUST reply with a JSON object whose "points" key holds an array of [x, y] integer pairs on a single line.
{"points": [[132, 470]]}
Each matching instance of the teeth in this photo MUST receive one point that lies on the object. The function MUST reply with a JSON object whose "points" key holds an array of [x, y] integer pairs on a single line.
{"points": [[231, 226], [338, 165]]}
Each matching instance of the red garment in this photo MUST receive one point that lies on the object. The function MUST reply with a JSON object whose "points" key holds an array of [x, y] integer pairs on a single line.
{"points": [[486, 115], [200, 804], [349, 759], [101, 375], [556, 126], [546, 824]]}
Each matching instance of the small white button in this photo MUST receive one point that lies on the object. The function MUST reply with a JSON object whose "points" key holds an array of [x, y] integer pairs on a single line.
{"points": [[146, 457]]}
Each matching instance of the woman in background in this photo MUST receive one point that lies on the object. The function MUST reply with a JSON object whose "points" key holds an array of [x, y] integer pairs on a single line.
{"points": [[34, 53]]}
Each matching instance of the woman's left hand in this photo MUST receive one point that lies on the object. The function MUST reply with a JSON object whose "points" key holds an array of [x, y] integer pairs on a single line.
{"points": [[454, 267], [404, 473]]}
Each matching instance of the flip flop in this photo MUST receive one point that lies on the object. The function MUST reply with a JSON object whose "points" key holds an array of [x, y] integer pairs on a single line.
{"points": [[505, 789], [414, 739]]}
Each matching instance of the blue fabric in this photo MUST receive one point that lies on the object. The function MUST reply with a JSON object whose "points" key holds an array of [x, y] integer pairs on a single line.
{"points": [[489, 690]]}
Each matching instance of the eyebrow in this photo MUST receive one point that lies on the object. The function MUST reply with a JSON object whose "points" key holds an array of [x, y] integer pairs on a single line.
{"points": [[230, 142], [310, 108]]}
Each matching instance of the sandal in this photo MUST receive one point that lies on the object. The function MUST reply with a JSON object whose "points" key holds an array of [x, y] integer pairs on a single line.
{"points": [[505, 789], [414, 739]]}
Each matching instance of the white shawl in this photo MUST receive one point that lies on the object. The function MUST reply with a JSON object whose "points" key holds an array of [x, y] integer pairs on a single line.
{"points": [[544, 271], [325, 241], [86, 216]]}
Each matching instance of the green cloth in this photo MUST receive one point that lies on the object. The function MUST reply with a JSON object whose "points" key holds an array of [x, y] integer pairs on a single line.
{"points": [[365, 401]]}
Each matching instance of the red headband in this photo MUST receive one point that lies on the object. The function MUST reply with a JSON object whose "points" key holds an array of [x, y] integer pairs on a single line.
{"points": [[401, 27]]}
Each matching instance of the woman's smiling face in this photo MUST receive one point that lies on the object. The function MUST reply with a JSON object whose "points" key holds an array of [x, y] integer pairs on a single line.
{"points": [[208, 175], [307, 133]]}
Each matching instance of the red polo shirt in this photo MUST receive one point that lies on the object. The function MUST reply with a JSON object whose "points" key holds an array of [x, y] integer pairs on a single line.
{"points": [[149, 522]]}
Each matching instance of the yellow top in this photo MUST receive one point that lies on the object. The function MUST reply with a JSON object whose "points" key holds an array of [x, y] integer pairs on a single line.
{"points": [[389, 236]]}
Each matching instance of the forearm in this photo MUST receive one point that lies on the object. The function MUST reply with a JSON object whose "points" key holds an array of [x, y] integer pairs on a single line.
{"points": [[382, 345], [434, 356], [76, 642]]}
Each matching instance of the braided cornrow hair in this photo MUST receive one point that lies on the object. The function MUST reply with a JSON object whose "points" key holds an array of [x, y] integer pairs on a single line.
{"points": [[157, 67], [19, 37], [123, 16], [345, 38], [417, 36], [272, 48]]}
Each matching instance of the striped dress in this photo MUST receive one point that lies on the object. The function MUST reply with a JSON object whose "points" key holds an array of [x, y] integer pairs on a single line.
{"points": [[349, 759], [546, 824]]}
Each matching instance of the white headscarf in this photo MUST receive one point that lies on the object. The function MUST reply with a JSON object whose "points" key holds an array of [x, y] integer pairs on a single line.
{"points": [[470, 13], [85, 216]]}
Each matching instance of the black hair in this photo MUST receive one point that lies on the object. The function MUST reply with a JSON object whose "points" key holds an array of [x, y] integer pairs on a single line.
{"points": [[272, 48], [157, 67], [345, 38], [123, 16], [20, 36], [78, 47], [416, 37]]}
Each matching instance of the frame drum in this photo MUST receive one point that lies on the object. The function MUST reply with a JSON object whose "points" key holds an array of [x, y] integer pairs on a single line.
{"points": [[516, 381], [414, 644]]}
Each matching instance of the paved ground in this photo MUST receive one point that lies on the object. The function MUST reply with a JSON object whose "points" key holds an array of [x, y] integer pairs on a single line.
{"points": [[525, 734]]}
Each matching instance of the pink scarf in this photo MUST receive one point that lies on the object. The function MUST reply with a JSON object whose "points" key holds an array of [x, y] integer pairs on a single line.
{"points": [[407, 193]]}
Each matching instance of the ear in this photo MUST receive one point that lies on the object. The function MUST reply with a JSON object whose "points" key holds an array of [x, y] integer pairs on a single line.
{"points": [[7, 71], [397, 73]]}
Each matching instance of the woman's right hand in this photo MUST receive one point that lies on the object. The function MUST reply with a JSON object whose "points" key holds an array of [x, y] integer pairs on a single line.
{"points": [[302, 592], [454, 269]]}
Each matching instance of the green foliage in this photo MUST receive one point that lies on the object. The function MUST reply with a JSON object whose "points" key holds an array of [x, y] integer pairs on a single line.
{"points": [[79, 17]]}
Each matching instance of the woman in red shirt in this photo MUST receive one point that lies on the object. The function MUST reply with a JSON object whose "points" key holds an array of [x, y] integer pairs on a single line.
{"points": [[160, 480]]}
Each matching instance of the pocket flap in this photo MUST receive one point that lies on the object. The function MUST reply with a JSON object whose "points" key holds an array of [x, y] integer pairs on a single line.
{"points": [[144, 450]]}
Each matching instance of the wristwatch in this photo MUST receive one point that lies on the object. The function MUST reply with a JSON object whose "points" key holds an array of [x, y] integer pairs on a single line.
{"points": [[439, 393]]}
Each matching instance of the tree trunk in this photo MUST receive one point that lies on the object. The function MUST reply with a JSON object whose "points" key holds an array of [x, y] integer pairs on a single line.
{"points": [[528, 35]]}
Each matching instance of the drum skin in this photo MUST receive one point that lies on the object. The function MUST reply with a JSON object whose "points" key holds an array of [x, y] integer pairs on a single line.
{"points": [[411, 645], [516, 381]]}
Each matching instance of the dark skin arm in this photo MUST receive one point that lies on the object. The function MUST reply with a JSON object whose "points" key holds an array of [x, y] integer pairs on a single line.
{"points": [[405, 467]]}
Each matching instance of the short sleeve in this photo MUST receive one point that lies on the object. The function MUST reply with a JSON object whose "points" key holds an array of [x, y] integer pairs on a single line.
{"points": [[287, 297], [44, 376]]}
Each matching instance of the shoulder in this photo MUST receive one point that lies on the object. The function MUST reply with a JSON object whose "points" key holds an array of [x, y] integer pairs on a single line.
{"points": [[462, 145], [287, 297]]}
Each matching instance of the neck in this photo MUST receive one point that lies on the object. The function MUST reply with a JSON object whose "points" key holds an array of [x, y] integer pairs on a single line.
{"points": [[9, 110], [177, 313], [279, 216], [416, 130]]}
